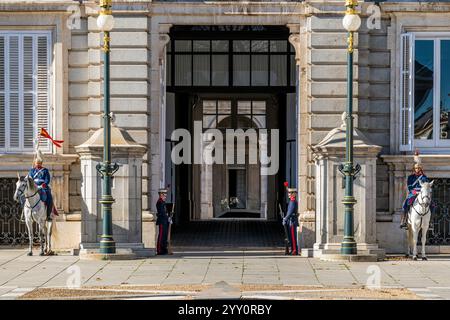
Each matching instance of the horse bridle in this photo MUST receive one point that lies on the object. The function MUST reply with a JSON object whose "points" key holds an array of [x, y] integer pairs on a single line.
{"points": [[423, 206], [22, 191]]}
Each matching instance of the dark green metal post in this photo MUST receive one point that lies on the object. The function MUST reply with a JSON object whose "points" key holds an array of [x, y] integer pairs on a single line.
{"points": [[106, 168], [107, 244], [348, 245]]}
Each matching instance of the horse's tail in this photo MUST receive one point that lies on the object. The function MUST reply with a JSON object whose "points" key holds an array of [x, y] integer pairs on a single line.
{"points": [[54, 228]]}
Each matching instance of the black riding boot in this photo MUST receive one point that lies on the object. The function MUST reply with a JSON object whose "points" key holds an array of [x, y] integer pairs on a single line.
{"points": [[404, 224], [49, 211]]}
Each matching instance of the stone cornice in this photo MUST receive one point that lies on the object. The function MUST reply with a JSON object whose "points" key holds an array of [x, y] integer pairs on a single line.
{"points": [[418, 7], [26, 159], [427, 159]]}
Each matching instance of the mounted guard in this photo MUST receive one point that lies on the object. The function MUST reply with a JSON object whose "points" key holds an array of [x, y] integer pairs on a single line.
{"points": [[41, 178], [414, 182]]}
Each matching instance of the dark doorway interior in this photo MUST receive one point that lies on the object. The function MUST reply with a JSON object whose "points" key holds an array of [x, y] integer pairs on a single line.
{"points": [[230, 61]]}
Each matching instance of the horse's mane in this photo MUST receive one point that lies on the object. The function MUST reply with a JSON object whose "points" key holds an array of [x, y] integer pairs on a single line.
{"points": [[30, 183]]}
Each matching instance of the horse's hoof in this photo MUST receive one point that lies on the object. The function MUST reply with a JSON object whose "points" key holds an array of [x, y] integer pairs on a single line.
{"points": [[41, 254], [415, 258], [424, 259], [30, 253], [50, 253]]}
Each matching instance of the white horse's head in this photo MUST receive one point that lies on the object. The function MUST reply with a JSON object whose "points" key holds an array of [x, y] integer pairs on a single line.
{"points": [[21, 185], [425, 192]]}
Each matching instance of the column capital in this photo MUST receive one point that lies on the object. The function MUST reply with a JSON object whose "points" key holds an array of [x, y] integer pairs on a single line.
{"points": [[163, 41]]}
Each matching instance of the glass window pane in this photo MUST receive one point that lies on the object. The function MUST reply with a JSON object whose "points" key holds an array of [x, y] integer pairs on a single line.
{"points": [[293, 71], [224, 107], [220, 45], [220, 70], [445, 90], [183, 45], [169, 46], [244, 107], [260, 64], [201, 70], [260, 45], [423, 93], [224, 121], [209, 122], [241, 45], [209, 106], [259, 121], [201, 45], [169, 70], [241, 70], [278, 70], [183, 69], [259, 107], [278, 45]]}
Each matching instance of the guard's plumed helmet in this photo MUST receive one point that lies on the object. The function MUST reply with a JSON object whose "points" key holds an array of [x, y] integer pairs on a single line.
{"points": [[417, 160], [162, 191], [39, 157]]}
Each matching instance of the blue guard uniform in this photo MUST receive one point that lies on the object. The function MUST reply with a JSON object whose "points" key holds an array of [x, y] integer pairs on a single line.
{"points": [[291, 219], [413, 189], [41, 178], [162, 220]]}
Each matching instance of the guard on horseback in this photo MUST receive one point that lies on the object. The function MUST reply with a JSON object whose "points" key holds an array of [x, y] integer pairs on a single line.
{"points": [[41, 178], [414, 187]]}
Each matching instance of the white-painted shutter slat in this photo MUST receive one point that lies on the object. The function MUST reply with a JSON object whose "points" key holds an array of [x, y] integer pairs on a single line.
{"points": [[406, 93], [28, 93], [43, 87], [2, 94], [14, 101]]}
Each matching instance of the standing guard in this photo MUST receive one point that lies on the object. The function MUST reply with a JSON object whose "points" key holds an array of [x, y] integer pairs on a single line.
{"points": [[162, 220], [291, 220], [414, 188], [41, 177]]}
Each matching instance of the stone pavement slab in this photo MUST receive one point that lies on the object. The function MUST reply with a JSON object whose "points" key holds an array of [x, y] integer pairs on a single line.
{"points": [[18, 271]]}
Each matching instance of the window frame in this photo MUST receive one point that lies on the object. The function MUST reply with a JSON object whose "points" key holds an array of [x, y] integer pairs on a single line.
{"points": [[6, 33], [435, 144]]}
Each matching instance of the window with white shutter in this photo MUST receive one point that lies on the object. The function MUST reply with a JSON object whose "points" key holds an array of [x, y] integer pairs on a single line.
{"points": [[24, 90], [406, 88], [425, 91]]}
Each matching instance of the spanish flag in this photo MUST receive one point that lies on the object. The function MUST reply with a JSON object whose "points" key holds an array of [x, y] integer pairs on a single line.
{"points": [[45, 134]]}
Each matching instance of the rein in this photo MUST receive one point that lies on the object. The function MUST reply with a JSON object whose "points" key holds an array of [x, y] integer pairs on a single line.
{"points": [[28, 197]]}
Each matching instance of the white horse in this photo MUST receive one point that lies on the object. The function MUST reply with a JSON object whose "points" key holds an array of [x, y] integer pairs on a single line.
{"points": [[35, 211], [419, 219]]}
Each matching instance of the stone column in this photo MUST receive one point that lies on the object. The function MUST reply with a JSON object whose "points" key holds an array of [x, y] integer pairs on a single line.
{"points": [[298, 39], [158, 40], [126, 190], [329, 155]]}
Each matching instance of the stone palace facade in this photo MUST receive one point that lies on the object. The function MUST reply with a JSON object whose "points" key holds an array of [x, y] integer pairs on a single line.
{"points": [[230, 64]]}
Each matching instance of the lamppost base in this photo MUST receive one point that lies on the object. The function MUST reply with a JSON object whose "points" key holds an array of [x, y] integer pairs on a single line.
{"points": [[96, 254], [107, 246]]}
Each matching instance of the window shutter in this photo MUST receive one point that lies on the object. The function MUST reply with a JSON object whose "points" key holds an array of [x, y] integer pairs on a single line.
{"points": [[28, 93], [406, 93], [14, 89], [2, 94], [43, 74]]}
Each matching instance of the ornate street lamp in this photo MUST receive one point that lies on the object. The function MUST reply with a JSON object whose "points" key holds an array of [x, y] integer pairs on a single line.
{"points": [[351, 23], [105, 23]]}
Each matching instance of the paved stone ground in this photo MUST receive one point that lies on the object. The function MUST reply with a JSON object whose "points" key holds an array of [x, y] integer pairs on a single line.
{"points": [[20, 274]]}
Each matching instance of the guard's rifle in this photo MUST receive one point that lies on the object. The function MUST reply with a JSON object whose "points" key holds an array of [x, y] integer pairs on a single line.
{"points": [[286, 232], [169, 233]]}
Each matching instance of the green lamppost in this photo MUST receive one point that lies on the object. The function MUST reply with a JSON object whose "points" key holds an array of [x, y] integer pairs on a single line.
{"points": [[105, 23], [351, 23]]}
